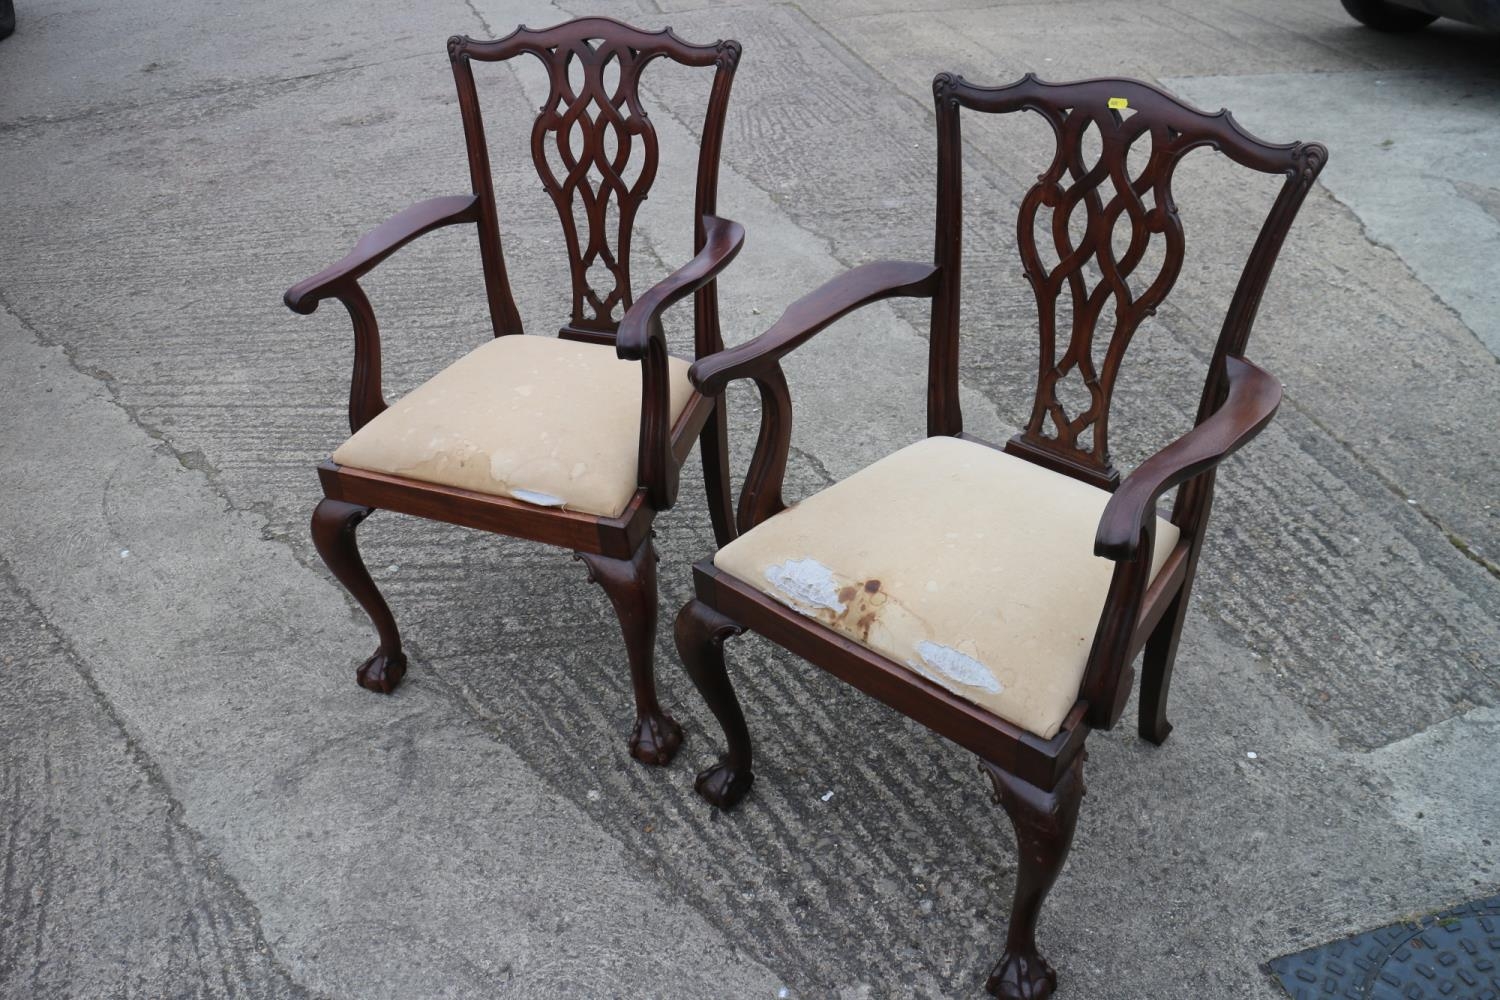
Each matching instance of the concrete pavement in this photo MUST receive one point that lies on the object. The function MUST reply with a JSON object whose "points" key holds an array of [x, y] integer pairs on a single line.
{"points": [[199, 802]]}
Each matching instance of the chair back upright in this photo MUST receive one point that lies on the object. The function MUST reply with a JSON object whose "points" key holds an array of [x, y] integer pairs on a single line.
{"points": [[1097, 220], [595, 150]]}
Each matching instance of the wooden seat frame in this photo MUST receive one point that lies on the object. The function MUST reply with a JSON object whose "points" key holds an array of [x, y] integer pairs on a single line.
{"points": [[583, 143], [1039, 782]]}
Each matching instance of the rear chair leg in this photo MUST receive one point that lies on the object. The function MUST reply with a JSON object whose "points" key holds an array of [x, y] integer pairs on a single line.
{"points": [[631, 586], [713, 445], [701, 632], [333, 526], [1044, 822], [1156, 671]]}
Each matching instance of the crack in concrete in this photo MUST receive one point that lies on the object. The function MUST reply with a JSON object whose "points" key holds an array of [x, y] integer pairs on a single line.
{"points": [[1373, 240], [212, 870], [261, 508], [192, 459], [107, 110], [822, 470], [488, 31], [195, 461]]}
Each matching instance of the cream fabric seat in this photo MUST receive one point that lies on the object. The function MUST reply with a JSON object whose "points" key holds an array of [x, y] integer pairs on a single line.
{"points": [[547, 421], [971, 567]]}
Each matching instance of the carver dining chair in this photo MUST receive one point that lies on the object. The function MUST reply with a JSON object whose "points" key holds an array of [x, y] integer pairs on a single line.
{"points": [[575, 440], [999, 596]]}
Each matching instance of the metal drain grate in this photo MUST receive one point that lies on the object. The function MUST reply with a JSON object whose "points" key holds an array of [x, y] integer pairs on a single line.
{"points": [[1453, 955]]}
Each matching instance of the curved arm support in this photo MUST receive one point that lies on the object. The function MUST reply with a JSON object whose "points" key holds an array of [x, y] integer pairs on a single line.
{"points": [[802, 319], [640, 338], [1252, 398], [366, 397], [760, 497], [378, 244]]}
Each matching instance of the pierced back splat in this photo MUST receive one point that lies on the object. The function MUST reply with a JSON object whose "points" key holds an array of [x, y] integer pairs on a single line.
{"points": [[595, 150], [1099, 224], [575, 123]]}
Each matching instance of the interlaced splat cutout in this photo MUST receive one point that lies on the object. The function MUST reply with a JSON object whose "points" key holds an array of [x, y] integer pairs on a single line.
{"points": [[1098, 220], [596, 152], [1101, 244]]}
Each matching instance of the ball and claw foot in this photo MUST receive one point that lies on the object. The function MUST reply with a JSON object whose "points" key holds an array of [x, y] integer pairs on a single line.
{"points": [[382, 672], [1020, 976], [656, 739], [723, 786]]}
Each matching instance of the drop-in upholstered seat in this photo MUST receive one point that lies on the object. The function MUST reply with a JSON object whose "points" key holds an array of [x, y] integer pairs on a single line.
{"points": [[1001, 599], [547, 421], [973, 568]]}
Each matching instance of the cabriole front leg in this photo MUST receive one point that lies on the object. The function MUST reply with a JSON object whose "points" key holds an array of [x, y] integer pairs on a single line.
{"points": [[701, 632], [631, 586], [333, 526], [1044, 822]]}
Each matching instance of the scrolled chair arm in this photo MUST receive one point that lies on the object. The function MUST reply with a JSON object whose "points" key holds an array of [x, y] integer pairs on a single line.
{"points": [[378, 244], [810, 314], [1251, 401], [722, 240], [760, 359], [1127, 529], [341, 281], [640, 338]]}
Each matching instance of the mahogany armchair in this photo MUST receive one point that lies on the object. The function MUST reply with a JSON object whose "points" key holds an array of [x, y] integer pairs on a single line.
{"points": [[560, 440], [999, 596]]}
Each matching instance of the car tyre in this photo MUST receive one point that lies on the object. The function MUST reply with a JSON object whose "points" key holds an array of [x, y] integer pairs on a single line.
{"points": [[1384, 16]]}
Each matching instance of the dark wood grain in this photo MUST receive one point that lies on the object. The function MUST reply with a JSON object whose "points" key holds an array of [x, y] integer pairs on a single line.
{"points": [[1249, 405], [1039, 782], [1123, 213], [760, 497], [1044, 821], [758, 359], [631, 586], [333, 526], [642, 324], [640, 338], [617, 537], [596, 151], [341, 281], [378, 244], [366, 394], [1126, 533], [701, 632], [594, 146]]}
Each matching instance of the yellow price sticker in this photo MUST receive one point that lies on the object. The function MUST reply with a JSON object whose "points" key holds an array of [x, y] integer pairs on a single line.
{"points": [[1118, 103]]}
